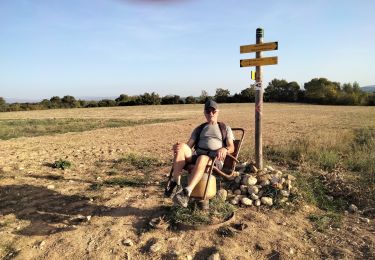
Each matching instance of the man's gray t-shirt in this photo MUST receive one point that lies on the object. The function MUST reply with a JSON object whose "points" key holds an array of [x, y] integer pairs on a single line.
{"points": [[210, 137]]}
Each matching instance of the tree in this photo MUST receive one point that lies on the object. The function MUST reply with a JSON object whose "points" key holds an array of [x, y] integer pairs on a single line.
{"points": [[123, 98], [347, 88], [292, 92], [282, 91], [321, 91], [69, 102], [361, 96], [356, 87], [3, 104], [246, 95], [106, 103], [352, 94], [82, 103], [190, 100], [203, 97], [15, 107], [170, 99], [149, 99], [45, 104], [274, 89], [55, 102], [91, 104], [222, 95], [371, 99]]}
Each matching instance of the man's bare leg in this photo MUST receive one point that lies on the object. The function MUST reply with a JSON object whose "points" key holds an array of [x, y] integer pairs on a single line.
{"points": [[198, 172], [182, 156], [182, 197]]}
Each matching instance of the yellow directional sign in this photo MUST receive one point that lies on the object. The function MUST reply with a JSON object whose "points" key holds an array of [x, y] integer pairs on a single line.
{"points": [[258, 61], [253, 75], [268, 46]]}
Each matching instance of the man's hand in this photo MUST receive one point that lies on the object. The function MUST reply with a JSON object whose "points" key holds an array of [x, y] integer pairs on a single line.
{"points": [[177, 146], [221, 153]]}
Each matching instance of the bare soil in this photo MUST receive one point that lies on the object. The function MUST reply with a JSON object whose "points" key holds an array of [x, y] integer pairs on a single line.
{"points": [[43, 211]]}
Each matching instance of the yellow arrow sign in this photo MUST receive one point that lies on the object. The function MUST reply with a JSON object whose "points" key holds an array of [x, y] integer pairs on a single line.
{"points": [[268, 46], [258, 62]]}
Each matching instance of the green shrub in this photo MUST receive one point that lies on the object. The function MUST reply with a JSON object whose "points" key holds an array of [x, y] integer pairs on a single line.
{"points": [[327, 159], [315, 192], [96, 186], [361, 157], [289, 154], [326, 221], [62, 164], [361, 161], [192, 215], [365, 137]]}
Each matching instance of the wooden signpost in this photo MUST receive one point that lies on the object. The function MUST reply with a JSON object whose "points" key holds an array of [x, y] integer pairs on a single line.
{"points": [[269, 46], [258, 62]]}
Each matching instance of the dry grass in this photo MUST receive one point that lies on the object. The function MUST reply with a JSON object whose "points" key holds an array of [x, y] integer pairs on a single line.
{"points": [[102, 155], [37, 127]]}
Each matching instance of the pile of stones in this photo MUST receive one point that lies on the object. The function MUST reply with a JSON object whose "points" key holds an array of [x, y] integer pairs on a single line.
{"points": [[256, 187]]}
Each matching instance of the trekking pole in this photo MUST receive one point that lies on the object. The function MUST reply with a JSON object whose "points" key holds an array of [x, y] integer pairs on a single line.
{"points": [[208, 178]]}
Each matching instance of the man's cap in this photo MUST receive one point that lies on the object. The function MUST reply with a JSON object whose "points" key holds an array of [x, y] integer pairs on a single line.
{"points": [[210, 103]]}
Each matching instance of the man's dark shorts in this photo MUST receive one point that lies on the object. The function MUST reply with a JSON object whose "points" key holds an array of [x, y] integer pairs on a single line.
{"points": [[211, 154]]}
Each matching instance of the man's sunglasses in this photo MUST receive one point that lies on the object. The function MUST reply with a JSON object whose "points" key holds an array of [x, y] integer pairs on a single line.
{"points": [[208, 111]]}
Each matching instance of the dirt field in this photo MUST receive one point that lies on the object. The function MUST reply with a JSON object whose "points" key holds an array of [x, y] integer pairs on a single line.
{"points": [[41, 207]]}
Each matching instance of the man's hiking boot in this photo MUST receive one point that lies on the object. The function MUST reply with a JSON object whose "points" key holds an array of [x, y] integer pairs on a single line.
{"points": [[172, 189], [182, 198]]}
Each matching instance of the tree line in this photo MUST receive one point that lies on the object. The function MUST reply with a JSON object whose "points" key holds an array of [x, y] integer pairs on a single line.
{"points": [[316, 91]]}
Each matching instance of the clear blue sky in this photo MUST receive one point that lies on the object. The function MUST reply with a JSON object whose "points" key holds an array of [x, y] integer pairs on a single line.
{"points": [[110, 47]]}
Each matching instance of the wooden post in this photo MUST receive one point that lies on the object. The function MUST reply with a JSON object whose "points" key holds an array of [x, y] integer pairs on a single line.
{"points": [[258, 62], [258, 105]]}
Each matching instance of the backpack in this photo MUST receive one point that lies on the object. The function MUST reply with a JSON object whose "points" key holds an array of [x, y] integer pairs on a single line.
{"points": [[223, 130]]}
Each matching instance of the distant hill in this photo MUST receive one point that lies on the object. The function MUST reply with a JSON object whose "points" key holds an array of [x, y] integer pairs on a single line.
{"points": [[25, 100], [90, 98], [21, 100], [369, 89]]}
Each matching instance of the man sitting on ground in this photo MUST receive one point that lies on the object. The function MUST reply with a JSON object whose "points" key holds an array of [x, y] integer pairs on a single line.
{"points": [[208, 140]]}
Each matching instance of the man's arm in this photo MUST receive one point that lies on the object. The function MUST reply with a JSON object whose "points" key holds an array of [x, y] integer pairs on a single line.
{"points": [[230, 146], [191, 142], [222, 152]]}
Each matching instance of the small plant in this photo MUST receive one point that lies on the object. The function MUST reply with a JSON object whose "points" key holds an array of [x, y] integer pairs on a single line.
{"points": [[328, 160], [62, 164], [225, 231], [192, 215], [96, 186], [326, 221], [270, 191]]}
